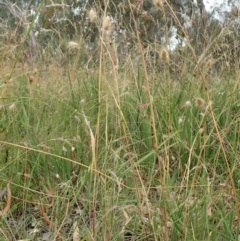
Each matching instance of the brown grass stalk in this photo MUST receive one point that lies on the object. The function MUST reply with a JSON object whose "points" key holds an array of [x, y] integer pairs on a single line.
{"points": [[9, 198], [47, 221]]}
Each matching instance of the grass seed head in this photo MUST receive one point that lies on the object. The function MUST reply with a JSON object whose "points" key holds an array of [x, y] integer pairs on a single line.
{"points": [[209, 63], [180, 120], [158, 4], [188, 103], [164, 55], [77, 119], [31, 79], [72, 45], [92, 16], [106, 23], [201, 130], [200, 103]]}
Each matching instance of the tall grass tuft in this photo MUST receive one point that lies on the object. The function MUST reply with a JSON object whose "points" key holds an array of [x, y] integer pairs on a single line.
{"points": [[140, 150]]}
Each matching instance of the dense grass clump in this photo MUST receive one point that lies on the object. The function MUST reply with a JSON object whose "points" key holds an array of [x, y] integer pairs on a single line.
{"points": [[146, 149], [79, 157]]}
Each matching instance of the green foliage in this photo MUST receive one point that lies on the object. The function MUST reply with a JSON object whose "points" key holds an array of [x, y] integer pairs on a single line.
{"points": [[144, 151], [46, 144]]}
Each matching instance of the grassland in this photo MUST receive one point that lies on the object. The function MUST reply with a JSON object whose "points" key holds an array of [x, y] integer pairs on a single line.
{"points": [[144, 150], [109, 155]]}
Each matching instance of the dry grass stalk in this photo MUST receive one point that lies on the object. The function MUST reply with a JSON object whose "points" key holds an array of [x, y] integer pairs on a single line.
{"points": [[12, 107], [47, 221], [75, 231], [9, 198]]}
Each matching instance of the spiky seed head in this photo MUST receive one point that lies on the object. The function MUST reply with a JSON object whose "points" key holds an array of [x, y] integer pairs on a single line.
{"points": [[31, 79], [200, 103], [77, 119], [180, 120], [92, 16], [201, 130], [106, 23], [158, 4], [188, 103], [164, 55], [209, 63], [72, 45]]}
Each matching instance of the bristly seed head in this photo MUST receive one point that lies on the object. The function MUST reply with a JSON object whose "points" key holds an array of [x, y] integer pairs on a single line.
{"points": [[158, 4], [72, 45], [180, 120], [201, 130], [188, 103], [106, 23], [31, 79], [165, 55], [200, 104], [209, 63], [92, 16]]}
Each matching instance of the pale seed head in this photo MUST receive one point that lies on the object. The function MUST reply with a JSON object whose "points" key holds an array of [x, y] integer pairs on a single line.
{"points": [[209, 63], [92, 16], [158, 4], [106, 23], [164, 55], [180, 120], [77, 119], [188, 103], [72, 45], [201, 130]]}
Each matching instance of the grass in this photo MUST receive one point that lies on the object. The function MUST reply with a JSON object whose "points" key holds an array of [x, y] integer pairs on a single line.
{"points": [[125, 188], [146, 151]]}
